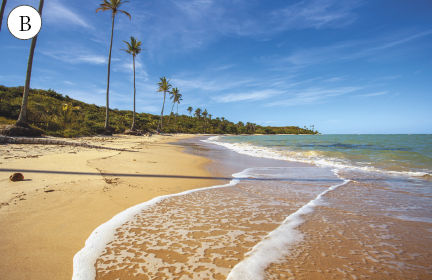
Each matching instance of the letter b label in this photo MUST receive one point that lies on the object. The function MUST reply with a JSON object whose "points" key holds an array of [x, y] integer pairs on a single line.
{"points": [[27, 23], [24, 22]]}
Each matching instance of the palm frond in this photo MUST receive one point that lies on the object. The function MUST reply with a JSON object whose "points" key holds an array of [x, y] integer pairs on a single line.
{"points": [[126, 13], [133, 46]]}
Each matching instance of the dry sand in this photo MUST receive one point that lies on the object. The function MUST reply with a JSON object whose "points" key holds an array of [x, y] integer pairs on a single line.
{"points": [[46, 219]]}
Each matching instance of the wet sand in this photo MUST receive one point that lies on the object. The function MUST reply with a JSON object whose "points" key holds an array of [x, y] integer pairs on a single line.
{"points": [[356, 232], [353, 233], [46, 219]]}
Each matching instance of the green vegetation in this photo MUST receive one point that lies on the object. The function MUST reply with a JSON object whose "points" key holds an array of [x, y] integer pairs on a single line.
{"points": [[59, 115], [112, 6]]}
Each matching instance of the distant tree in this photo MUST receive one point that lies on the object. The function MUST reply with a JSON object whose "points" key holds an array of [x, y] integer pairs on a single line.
{"points": [[134, 48], [174, 93], [198, 113], [164, 86], [2, 9], [204, 114], [179, 98], [190, 109]]}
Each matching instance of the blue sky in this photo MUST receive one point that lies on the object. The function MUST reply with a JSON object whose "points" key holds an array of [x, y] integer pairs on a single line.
{"points": [[342, 66]]}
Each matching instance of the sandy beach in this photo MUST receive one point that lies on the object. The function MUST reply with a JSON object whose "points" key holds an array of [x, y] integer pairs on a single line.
{"points": [[46, 218], [262, 218]]}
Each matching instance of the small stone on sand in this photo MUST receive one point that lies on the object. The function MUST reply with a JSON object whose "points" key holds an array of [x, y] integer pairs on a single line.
{"points": [[16, 177]]}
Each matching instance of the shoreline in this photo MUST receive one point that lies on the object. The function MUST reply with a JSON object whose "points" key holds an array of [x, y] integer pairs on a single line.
{"points": [[47, 218], [210, 233], [127, 256]]}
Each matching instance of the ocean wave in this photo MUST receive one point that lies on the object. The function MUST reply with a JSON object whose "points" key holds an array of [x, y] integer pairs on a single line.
{"points": [[84, 261], [277, 243], [311, 157]]}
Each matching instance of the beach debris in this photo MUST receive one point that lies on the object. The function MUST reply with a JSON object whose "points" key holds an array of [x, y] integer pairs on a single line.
{"points": [[49, 191], [134, 160], [16, 177], [47, 141]]}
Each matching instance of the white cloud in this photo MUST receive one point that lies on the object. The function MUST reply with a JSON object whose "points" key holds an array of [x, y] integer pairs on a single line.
{"points": [[313, 95], [207, 85], [248, 96], [184, 25], [223, 67], [54, 11], [315, 14], [372, 94], [76, 56], [349, 50], [127, 67], [335, 79], [388, 78]]}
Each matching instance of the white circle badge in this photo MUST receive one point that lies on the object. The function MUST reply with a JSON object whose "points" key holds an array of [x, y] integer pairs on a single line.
{"points": [[24, 22]]}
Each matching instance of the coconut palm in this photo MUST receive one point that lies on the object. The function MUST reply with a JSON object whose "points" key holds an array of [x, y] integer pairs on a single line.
{"points": [[179, 98], [204, 114], [174, 92], [198, 113], [190, 109], [210, 117], [134, 48], [164, 86], [2, 12], [21, 127], [112, 6]]}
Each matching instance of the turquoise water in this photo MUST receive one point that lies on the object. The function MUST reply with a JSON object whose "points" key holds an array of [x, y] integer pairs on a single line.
{"points": [[409, 154]]}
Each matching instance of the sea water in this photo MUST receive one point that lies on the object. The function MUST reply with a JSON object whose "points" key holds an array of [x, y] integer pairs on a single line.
{"points": [[391, 153], [356, 206]]}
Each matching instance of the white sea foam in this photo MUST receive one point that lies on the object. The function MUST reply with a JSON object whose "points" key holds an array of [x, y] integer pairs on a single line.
{"points": [[85, 259], [276, 244], [413, 219], [304, 157]]}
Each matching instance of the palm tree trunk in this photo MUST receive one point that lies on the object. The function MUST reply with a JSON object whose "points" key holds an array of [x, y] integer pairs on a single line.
{"points": [[175, 120], [133, 119], [22, 119], [2, 11], [170, 113], [109, 65], [161, 119]]}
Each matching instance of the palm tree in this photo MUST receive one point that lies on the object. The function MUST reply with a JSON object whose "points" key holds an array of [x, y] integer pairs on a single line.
{"points": [[164, 86], [112, 6], [190, 111], [210, 117], [198, 113], [179, 98], [174, 93], [21, 127], [133, 49], [205, 113], [2, 11]]}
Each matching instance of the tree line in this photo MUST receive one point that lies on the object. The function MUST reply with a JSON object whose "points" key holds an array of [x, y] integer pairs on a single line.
{"points": [[62, 116]]}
